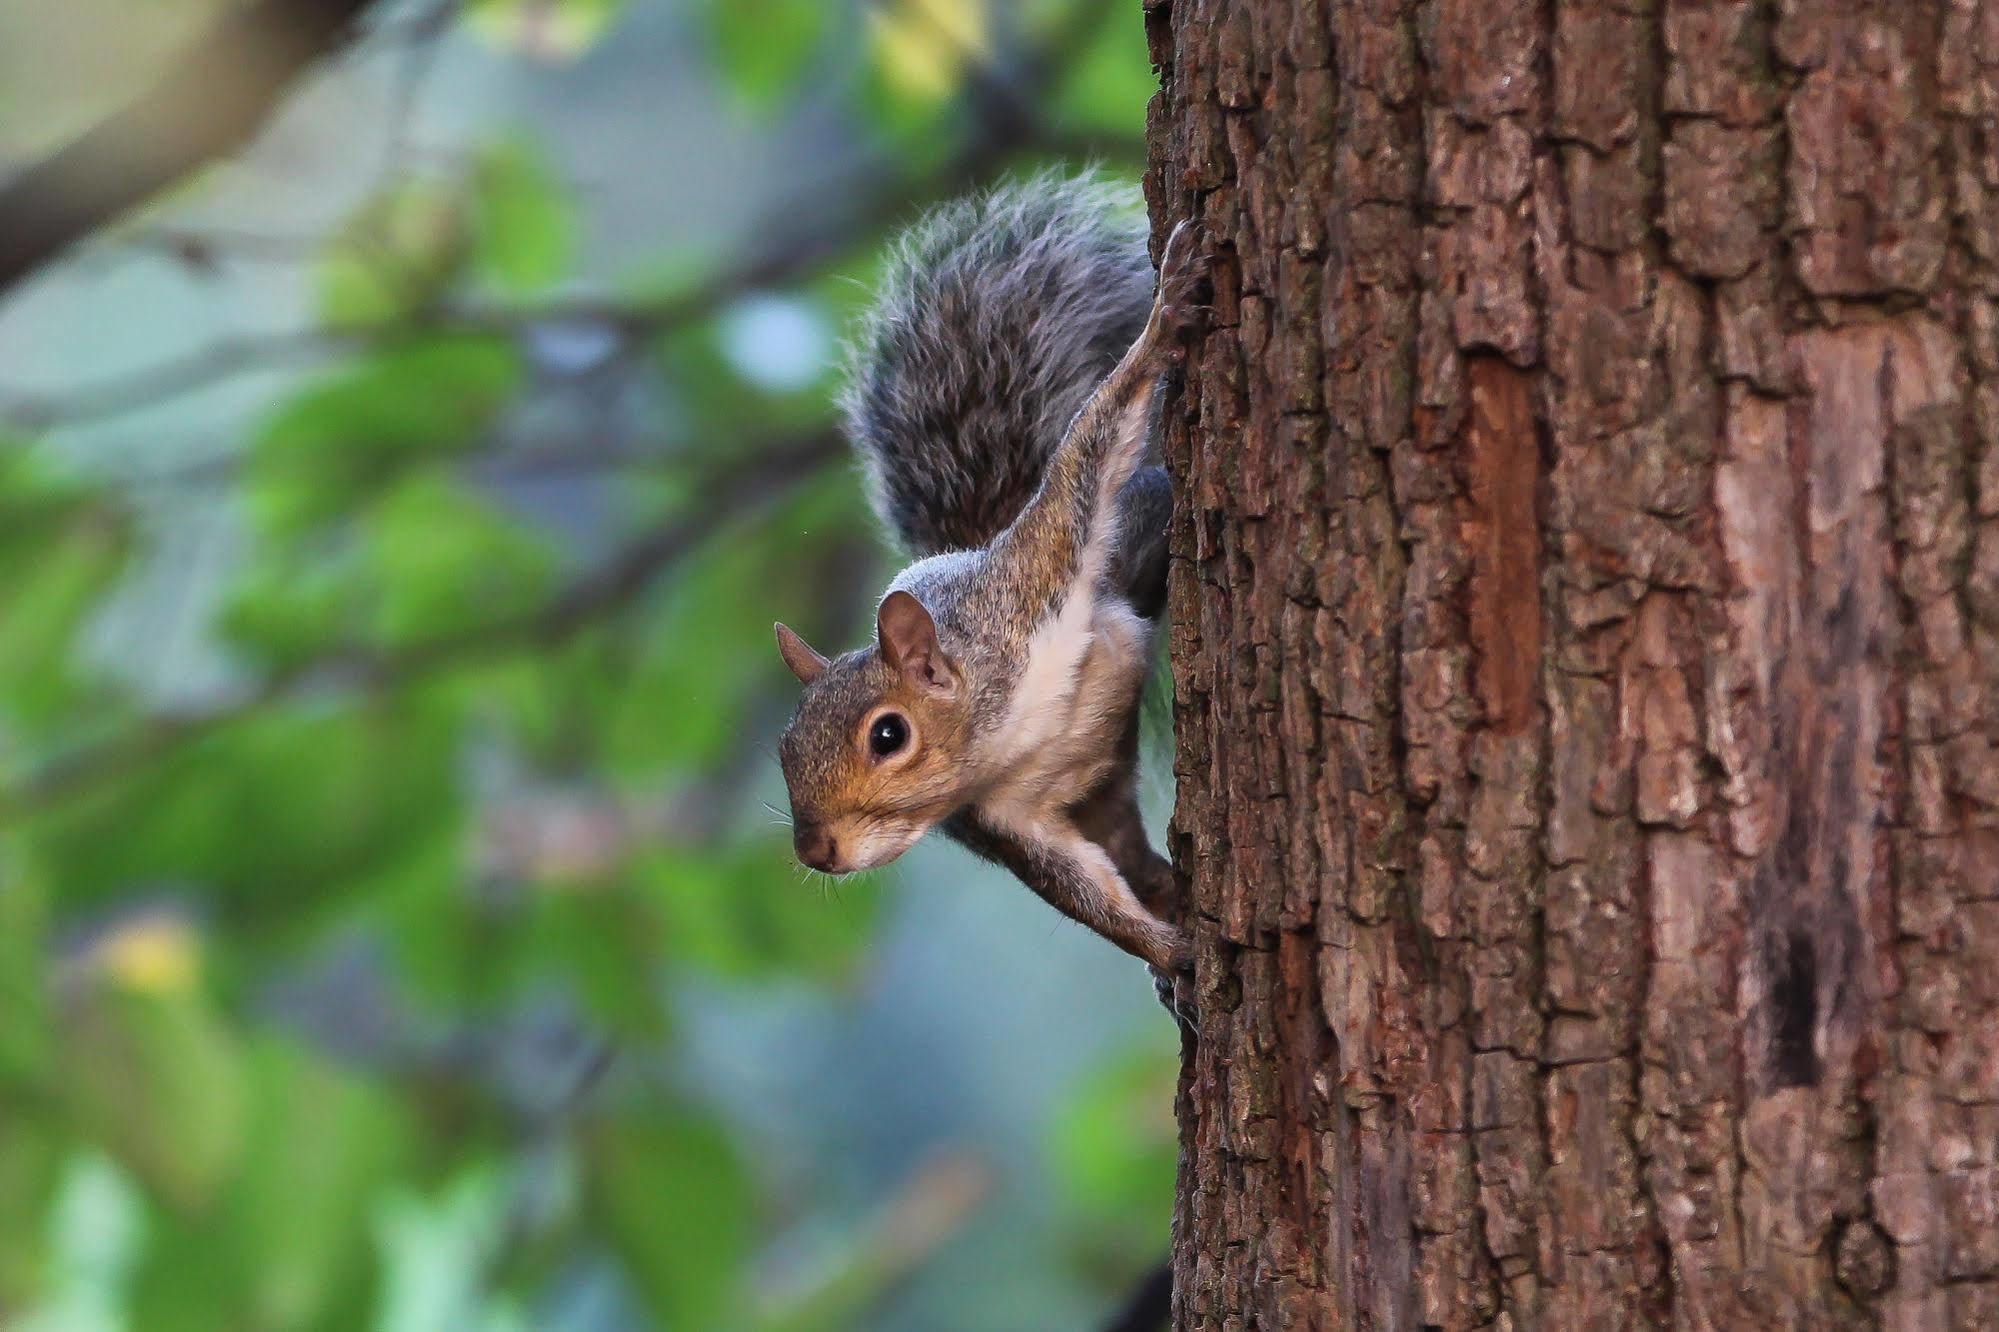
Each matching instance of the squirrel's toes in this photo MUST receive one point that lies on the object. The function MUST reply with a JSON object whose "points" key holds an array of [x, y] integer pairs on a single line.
{"points": [[1183, 271]]}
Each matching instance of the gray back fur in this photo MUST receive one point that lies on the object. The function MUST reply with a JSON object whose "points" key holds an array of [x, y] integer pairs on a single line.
{"points": [[997, 315]]}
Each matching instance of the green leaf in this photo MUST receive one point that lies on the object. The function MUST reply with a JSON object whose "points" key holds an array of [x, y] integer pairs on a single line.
{"points": [[526, 228], [673, 1198], [762, 46], [1115, 1148], [291, 605], [286, 1247], [342, 440], [61, 549], [394, 256], [416, 904], [274, 814], [302, 1213], [1108, 87], [744, 913], [678, 705], [537, 697], [154, 1074], [605, 942], [434, 561], [32, 1158], [707, 648], [25, 1038], [446, 562], [594, 935]]}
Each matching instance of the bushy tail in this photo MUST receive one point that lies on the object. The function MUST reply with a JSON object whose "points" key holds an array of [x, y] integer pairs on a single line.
{"points": [[996, 317]]}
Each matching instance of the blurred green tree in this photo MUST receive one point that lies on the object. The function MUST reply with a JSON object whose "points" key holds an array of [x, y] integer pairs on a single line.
{"points": [[338, 987]]}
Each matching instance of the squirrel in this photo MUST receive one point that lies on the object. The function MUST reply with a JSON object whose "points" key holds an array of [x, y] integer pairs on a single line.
{"points": [[1001, 400]]}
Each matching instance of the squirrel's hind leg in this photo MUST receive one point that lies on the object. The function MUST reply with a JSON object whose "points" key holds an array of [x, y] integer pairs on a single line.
{"points": [[1111, 819]]}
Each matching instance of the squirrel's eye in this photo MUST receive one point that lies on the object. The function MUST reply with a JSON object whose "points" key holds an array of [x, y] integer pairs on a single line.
{"points": [[889, 733]]}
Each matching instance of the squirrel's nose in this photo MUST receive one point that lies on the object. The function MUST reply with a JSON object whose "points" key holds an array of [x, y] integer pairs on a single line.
{"points": [[815, 846]]}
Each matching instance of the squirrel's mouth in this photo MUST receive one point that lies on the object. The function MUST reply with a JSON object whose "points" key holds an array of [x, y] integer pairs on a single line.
{"points": [[849, 847]]}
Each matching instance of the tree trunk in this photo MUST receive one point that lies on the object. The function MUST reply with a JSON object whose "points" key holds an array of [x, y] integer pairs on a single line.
{"points": [[1586, 627]]}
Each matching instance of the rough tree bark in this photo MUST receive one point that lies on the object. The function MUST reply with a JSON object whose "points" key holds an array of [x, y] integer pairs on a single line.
{"points": [[1586, 607]]}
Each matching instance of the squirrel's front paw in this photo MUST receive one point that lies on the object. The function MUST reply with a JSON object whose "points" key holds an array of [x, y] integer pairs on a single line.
{"points": [[1175, 992]]}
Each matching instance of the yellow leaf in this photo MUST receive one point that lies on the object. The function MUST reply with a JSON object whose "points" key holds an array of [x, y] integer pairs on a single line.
{"points": [[152, 954], [924, 46], [556, 32]]}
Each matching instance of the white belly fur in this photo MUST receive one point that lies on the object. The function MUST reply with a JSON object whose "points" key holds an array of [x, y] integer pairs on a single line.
{"points": [[1084, 670]]}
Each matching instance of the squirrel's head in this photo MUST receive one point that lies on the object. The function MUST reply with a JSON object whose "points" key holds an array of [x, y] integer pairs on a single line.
{"points": [[874, 755]]}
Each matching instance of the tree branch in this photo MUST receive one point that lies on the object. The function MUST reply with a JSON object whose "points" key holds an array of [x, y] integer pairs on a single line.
{"points": [[214, 99], [802, 240], [613, 586], [795, 252]]}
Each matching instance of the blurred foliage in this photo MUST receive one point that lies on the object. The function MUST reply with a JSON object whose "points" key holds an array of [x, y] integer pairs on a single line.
{"points": [[279, 959], [1115, 1150]]}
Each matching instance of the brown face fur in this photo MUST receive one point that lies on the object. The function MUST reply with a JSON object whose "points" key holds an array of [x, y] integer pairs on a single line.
{"points": [[854, 807]]}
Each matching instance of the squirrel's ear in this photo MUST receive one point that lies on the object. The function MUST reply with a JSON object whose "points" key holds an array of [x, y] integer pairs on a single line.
{"points": [[806, 664], [908, 640]]}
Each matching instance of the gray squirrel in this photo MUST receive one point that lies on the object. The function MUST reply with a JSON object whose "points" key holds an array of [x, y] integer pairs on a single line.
{"points": [[1001, 399]]}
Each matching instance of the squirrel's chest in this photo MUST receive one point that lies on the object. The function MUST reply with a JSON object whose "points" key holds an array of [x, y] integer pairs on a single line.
{"points": [[1082, 676]]}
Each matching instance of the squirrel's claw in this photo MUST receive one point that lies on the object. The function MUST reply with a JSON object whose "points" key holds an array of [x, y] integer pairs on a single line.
{"points": [[1175, 992], [1183, 270], [1180, 255]]}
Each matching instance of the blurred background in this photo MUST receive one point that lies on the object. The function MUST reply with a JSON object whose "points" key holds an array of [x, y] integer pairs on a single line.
{"points": [[394, 931]]}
